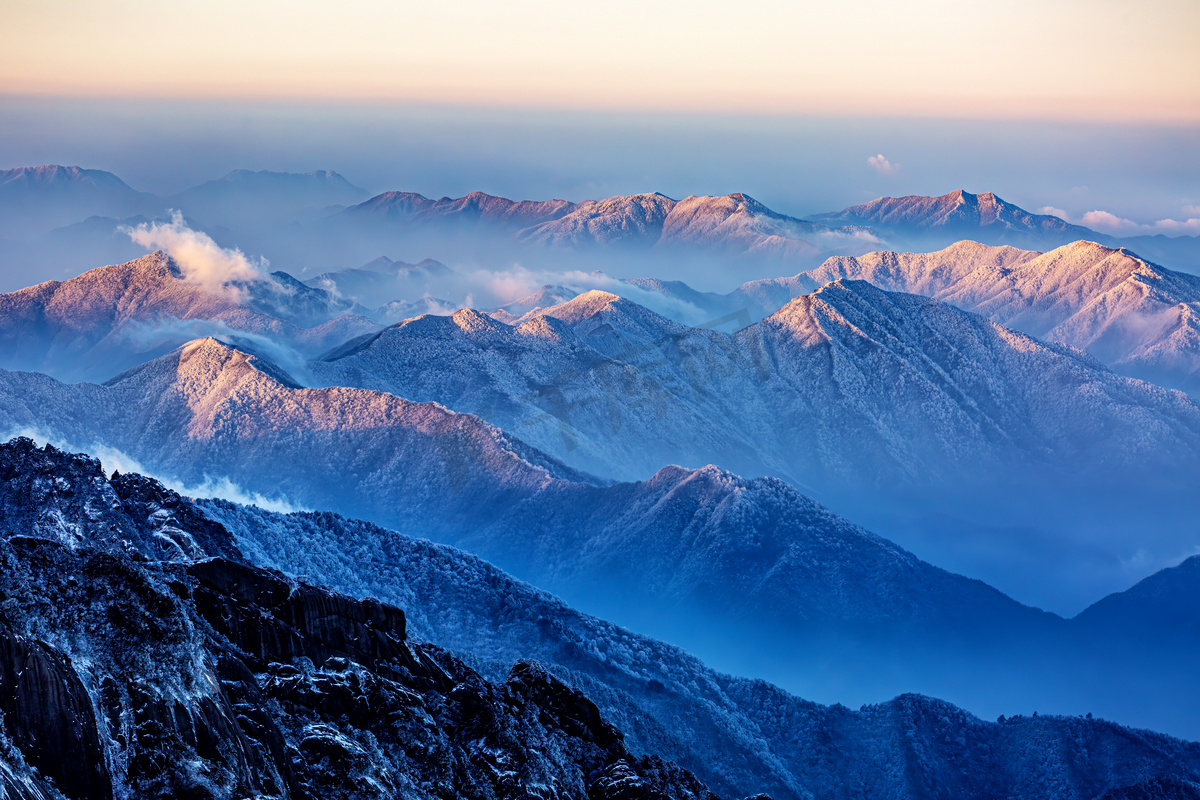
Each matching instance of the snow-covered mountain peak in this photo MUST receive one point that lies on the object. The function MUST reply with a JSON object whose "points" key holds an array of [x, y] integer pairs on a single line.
{"points": [[1123, 310], [546, 328], [957, 211], [632, 218], [210, 365], [809, 317], [587, 304], [474, 323], [613, 324]]}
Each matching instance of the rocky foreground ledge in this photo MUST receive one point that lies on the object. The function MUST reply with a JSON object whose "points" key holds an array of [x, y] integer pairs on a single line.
{"points": [[140, 656]]}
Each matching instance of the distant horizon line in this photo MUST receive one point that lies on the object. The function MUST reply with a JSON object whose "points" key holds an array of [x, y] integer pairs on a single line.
{"points": [[1043, 110]]}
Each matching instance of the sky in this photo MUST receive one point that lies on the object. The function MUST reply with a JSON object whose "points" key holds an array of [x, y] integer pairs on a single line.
{"points": [[1077, 108], [1066, 59]]}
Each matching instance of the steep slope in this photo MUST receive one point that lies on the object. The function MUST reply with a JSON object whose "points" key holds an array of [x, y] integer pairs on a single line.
{"points": [[842, 384], [208, 410], [1133, 315], [215, 676], [124, 673], [114, 317], [1170, 598]]}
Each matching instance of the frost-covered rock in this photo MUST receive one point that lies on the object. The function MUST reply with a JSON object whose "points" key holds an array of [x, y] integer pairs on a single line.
{"points": [[125, 676], [214, 677]]}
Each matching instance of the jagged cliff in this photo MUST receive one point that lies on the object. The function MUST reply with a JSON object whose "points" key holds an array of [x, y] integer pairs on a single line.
{"points": [[140, 656]]}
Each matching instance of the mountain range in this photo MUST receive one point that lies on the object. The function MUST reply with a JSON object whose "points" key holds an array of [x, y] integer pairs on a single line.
{"points": [[1133, 315], [597, 380], [689, 555], [208, 410], [961, 215], [912, 415], [112, 318], [67, 216], [886, 424], [385, 279], [930, 223], [592, 380], [209, 674], [176, 669]]}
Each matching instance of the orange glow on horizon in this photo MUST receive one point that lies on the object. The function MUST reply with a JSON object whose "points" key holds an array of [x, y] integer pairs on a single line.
{"points": [[1059, 60]]}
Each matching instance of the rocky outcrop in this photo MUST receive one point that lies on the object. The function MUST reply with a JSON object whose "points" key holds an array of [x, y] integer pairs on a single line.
{"points": [[48, 716], [124, 673]]}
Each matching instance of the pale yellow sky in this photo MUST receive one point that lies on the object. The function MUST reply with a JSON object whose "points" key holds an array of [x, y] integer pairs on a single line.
{"points": [[1101, 59]]}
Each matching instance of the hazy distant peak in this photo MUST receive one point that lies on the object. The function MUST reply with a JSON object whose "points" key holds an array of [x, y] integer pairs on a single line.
{"points": [[267, 175], [959, 209], [379, 264], [37, 200], [52, 175], [256, 194]]}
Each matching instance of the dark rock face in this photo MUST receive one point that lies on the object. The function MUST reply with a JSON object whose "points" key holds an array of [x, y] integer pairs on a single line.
{"points": [[175, 674], [65, 497], [48, 715]]}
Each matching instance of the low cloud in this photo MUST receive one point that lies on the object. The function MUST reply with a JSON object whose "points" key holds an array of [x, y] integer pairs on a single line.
{"points": [[1055, 212], [882, 165], [201, 260], [489, 289], [1110, 223], [1190, 227]]}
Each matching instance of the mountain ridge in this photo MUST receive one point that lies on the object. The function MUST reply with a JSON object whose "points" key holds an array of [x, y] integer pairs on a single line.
{"points": [[332, 662], [110, 318], [1133, 314]]}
